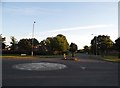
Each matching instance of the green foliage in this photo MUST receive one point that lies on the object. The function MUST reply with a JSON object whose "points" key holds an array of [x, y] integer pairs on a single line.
{"points": [[2, 39], [54, 45], [117, 45], [42, 47], [62, 43], [73, 48], [86, 49], [101, 44], [25, 45], [35, 41], [14, 45], [2, 43]]}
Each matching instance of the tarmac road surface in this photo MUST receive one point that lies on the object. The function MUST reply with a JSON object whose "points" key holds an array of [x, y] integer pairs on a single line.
{"points": [[84, 72]]}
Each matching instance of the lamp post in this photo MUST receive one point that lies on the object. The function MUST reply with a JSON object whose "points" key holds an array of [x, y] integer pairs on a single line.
{"points": [[95, 43], [32, 53]]}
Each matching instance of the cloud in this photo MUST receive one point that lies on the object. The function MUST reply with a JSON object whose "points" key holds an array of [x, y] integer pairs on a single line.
{"points": [[79, 28], [31, 11]]}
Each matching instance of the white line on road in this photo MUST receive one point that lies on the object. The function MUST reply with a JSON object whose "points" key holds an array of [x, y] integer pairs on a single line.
{"points": [[83, 68]]}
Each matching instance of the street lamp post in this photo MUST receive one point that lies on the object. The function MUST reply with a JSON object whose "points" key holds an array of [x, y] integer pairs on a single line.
{"points": [[95, 44], [32, 53]]}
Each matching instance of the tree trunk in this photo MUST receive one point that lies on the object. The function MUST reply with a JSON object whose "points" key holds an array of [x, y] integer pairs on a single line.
{"points": [[72, 54]]}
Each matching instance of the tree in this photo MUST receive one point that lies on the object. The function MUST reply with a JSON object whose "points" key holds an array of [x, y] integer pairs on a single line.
{"points": [[101, 44], [73, 48], [86, 49], [14, 43], [117, 44], [35, 41], [2, 43], [43, 47], [24, 45], [63, 45], [55, 45], [49, 44]]}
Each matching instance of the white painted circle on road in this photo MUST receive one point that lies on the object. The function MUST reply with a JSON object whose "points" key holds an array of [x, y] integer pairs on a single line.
{"points": [[42, 66]]}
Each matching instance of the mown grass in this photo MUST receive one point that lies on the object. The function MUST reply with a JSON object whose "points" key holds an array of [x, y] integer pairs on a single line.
{"points": [[106, 58], [41, 56], [50, 56], [111, 58], [18, 56]]}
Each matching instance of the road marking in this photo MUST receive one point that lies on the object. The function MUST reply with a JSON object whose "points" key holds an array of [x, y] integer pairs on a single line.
{"points": [[42, 66], [83, 68]]}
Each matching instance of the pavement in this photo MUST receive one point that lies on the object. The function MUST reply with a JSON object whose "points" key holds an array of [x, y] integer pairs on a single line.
{"points": [[83, 72]]}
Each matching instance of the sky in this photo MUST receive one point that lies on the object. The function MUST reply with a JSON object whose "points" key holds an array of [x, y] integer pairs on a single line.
{"points": [[76, 20]]}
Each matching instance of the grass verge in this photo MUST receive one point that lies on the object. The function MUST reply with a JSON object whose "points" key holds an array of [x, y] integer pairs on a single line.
{"points": [[30, 57], [106, 58], [111, 58], [17, 57]]}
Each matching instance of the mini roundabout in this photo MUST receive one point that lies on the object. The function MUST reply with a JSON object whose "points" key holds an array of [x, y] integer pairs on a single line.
{"points": [[41, 66]]}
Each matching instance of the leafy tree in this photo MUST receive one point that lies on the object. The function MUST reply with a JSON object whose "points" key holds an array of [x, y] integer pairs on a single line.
{"points": [[117, 44], [34, 40], [55, 45], [101, 44], [24, 45], [86, 49], [63, 43], [73, 48], [43, 48], [14, 43], [94, 45], [2, 43], [49, 44]]}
